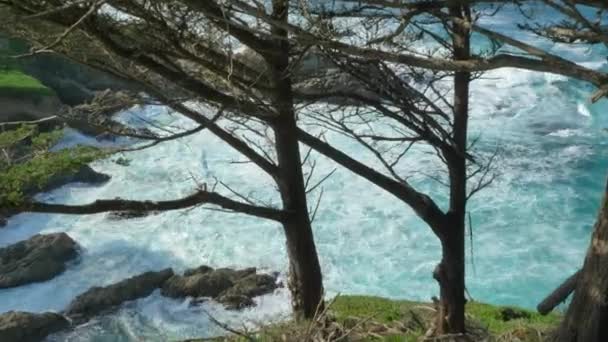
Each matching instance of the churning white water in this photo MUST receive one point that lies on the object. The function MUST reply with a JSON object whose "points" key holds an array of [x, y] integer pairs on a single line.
{"points": [[530, 227]]}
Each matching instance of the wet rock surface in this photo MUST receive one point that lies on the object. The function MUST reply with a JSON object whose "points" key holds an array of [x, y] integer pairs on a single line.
{"points": [[29, 327], [253, 285], [40, 258], [98, 300], [208, 284], [233, 288]]}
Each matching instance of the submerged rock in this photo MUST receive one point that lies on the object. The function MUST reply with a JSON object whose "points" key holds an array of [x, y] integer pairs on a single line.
{"points": [[29, 327], [39, 258], [233, 288], [97, 300]]}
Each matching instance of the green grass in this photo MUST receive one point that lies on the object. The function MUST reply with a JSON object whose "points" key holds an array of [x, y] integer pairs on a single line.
{"points": [[367, 314], [16, 83], [39, 166], [490, 316]]}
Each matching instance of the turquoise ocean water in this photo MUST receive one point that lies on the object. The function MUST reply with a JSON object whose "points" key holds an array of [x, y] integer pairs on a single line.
{"points": [[530, 227]]}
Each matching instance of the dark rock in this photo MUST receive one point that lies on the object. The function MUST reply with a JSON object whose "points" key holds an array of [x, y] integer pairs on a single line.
{"points": [[28, 108], [73, 83], [235, 275], [40, 258], [509, 314], [199, 301], [233, 288], [96, 118], [203, 281], [253, 285], [85, 175], [97, 300], [29, 327], [235, 302], [199, 270], [208, 284]]}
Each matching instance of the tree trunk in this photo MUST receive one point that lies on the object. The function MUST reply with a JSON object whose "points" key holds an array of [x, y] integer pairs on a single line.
{"points": [[450, 273], [587, 316], [305, 279]]}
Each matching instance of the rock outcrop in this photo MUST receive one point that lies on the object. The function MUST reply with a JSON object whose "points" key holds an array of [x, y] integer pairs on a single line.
{"points": [[98, 300], [84, 175], [28, 108], [206, 284], [233, 288], [39, 258], [29, 327], [73, 83]]}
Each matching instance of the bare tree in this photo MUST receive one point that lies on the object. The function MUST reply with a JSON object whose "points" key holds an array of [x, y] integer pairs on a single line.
{"points": [[413, 116], [163, 49], [393, 45], [187, 49]]}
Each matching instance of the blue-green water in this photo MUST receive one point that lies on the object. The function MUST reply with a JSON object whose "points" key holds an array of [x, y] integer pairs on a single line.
{"points": [[530, 227]]}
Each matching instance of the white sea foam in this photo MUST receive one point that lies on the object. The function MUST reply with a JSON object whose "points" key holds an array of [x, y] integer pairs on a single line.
{"points": [[530, 227]]}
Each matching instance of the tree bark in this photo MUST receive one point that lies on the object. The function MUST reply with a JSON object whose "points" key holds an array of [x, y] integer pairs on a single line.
{"points": [[559, 295], [450, 276], [450, 273], [305, 278], [587, 316]]}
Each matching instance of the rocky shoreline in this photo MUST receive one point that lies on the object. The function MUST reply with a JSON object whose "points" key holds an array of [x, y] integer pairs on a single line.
{"points": [[43, 257], [40, 258]]}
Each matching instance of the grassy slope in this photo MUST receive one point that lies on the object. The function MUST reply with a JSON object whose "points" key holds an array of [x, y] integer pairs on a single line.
{"points": [[485, 316], [380, 319], [15, 83], [12, 81], [35, 166]]}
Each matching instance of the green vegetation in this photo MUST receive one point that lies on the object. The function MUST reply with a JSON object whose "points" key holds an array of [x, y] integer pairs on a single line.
{"points": [[27, 163], [378, 319], [14, 83]]}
